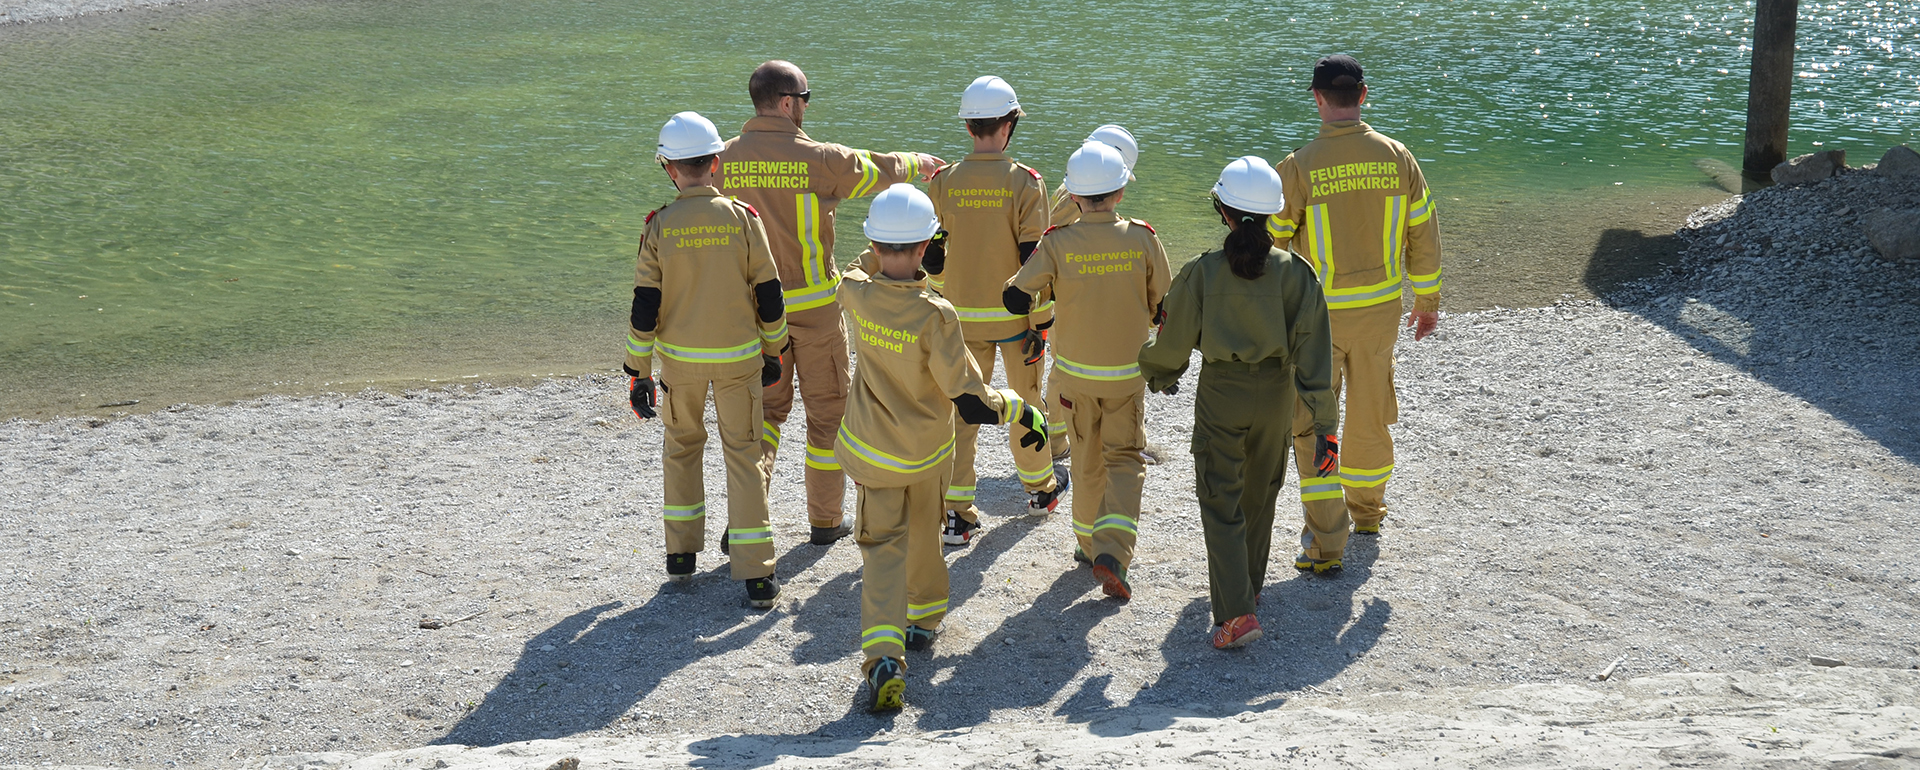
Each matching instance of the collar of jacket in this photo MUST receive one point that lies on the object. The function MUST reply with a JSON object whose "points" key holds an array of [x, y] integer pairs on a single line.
{"points": [[986, 156], [779, 124], [918, 281], [702, 191], [1099, 216], [1344, 127]]}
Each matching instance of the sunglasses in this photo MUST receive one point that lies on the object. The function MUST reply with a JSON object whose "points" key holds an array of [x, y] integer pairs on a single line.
{"points": [[804, 96]]}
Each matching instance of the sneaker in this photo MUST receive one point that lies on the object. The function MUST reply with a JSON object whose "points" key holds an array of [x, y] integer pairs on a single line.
{"points": [[959, 531], [1080, 555], [919, 638], [1043, 503], [827, 535], [1236, 632], [1112, 577], [1366, 529], [761, 592], [885, 685], [680, 567], [723, 545], [1318, 566]]}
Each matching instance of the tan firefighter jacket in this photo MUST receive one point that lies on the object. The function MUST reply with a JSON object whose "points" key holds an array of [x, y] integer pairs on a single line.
{"points": [[1108, 275], [1230, 319], [989, 205], [1357, 208], [796, 183], [705, 254], [1065, 211], [912, 363]]}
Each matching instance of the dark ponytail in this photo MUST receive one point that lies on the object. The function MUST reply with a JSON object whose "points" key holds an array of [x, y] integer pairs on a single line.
{"points": [[1248, 243]]}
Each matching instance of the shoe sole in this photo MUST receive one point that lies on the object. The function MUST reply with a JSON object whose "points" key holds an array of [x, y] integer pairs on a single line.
{"points": [[1111, 584], [889, 697], [1317, 569], [761, 604], [671, 578], [957, 539], [1373, 531], [829, 541], [1242, 641]]}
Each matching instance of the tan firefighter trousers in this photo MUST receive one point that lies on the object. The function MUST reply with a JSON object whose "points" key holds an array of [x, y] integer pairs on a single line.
{"points": [[1363, 363], [903, 576], [736, 402], [819, 360], [1035, 465], [1109, 434]]}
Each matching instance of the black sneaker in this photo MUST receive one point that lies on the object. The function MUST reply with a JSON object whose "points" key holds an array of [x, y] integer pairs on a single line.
{"points": [[761, 592], [918, 638], [959, 531], [1043, 503], [680, 567], [1112, 577], [827, 535], [723, 545], [1080, 555], [885, 685]]}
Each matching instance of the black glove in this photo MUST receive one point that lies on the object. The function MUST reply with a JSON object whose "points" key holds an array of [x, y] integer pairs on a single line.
{"points": [[1160, 316], [769, 370], [640, 394], [1036, 425], [1035, 346], [1172, 389], [1326, 454], [935, 260]]}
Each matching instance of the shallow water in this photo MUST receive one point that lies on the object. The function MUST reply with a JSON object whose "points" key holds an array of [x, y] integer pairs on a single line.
{"points": [[233, 197]]}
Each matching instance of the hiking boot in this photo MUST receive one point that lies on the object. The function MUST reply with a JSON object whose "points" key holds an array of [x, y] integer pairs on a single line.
{"points": [[1080, 555], [885, 685], [761, 592], [827, 535], [1112, 577], [1236, 632], [958, 531], [1318, 566], [918, 638], [1366, 529], [1043, 503], [680, 567]]}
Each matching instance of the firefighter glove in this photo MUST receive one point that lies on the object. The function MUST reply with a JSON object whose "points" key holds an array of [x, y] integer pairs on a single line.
{"points": [[1035, 347], [1036, 425], [1326, 454], [769, 370], [640, 393], [1172, 389], [935, 260]]}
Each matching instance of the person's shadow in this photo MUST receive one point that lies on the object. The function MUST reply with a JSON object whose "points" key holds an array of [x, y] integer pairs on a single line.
{"points": [[584, 672]]}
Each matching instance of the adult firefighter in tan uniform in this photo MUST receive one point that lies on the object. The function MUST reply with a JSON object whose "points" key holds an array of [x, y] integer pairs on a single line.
{"points": [[796, 183], [707, 298], [1357, 208], [1066, 212], [897, 440], [994, 211], [1107, 275]]}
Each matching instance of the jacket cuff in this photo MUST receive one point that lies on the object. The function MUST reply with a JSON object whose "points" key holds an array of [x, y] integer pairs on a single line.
{"points": [[1426, 303]]}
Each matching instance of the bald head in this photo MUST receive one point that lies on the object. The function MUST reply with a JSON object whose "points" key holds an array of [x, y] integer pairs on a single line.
{"points": [[772, 81]]}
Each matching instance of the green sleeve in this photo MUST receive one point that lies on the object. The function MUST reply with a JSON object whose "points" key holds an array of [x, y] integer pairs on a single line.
{"points": [[1165, 357], [1310, 346]]}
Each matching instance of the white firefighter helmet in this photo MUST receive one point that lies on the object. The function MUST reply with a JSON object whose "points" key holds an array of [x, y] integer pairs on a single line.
{"points": [[989, 97], [1250, 184], [1096, 168], [1121, 139], [901, 214], [689, 135]]}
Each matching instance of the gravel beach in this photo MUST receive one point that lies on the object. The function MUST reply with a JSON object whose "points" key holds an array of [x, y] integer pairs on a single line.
{"points": [[1697, 487]]}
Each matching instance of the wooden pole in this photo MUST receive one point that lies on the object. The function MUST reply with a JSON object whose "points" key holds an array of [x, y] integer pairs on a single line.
{"points": [[1769, 86]]}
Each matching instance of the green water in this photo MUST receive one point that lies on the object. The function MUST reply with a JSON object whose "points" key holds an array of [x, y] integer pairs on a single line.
{"points": [[228, 196]]}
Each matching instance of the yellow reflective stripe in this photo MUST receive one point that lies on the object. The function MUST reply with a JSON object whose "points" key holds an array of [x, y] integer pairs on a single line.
{"points": [[913, 164], [776, 333], [693, 512], [1116, 521], [985, 314], [960, 493], [811, 248], [1365, 477], [1282, 229], [810, 297], [1082, 529], [769, 433], [1044, 306], [1421, 211], [889, 462], [821, 459], [1014, 406], [923, 611], [750, 535], [936, 284], [710, 355], [637, 348], [1425, 284], [883, 635], [1090, 372], [1320, 488], [1036, 477], [1320, 242], [869, 175], [1390, 234], [1363, 296]]}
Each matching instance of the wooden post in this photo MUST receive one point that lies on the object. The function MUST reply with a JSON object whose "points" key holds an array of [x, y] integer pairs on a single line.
{"points": [[1769, 86]]}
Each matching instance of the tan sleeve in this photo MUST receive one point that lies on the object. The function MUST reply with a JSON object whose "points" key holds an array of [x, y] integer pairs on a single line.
{"points": [[1159, 273], [1038, 272], [955, 372], [1423, 239], [646, 274], [761, 269], [855, 173], [1293, 189], [1035, 216]]}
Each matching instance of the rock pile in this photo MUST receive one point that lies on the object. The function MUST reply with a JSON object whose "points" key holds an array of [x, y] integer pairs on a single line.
{"points": [[1889, 211]]}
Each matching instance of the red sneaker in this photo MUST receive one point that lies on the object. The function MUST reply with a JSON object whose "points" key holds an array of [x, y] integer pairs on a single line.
{"points": [[1236, 632]]}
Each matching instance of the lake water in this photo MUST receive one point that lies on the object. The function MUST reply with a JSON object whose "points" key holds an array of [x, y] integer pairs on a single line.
{"points": [[242, 197]]}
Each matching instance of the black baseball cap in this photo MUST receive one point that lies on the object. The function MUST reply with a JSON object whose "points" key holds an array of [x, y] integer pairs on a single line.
{"points": [[1338, 72]]}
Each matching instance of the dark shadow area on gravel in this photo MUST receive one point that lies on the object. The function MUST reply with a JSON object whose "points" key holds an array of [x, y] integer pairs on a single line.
{"points": [[1312, 634], [1836, 335], [584, 672]]}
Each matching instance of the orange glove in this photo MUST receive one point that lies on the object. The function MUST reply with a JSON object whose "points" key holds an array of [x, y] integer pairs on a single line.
{"points": [[1326, 454]]}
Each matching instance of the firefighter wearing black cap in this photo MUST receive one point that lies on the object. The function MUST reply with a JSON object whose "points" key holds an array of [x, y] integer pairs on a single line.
{"points": [[1357, 208]]}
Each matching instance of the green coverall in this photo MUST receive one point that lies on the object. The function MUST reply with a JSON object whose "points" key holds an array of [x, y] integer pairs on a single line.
{"points": [[1261, 342]]}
